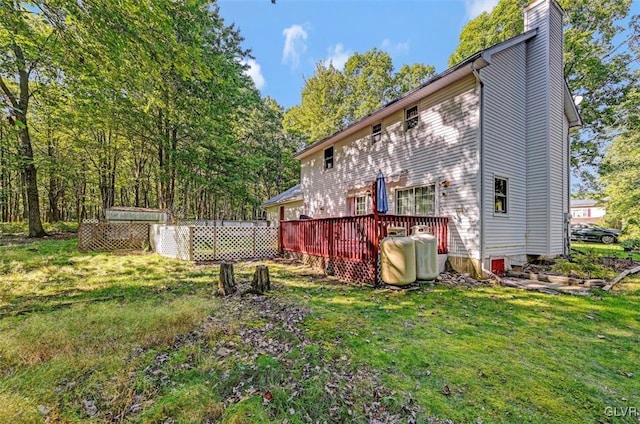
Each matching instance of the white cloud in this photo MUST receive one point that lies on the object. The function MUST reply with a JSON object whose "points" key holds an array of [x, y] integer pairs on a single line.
{"points": [[255, 72], [294, 44], [395, 49], [338, 56], [476, 7]]}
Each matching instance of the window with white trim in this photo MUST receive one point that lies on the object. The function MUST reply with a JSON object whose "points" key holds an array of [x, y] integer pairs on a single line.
{"points": [[328, 158], [416, 200], [361, 205], [376, 133], [501, 194], [411, 117]]}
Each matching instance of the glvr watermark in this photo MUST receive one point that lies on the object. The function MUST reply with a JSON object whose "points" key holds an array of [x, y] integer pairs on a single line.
{"points": [[622, 411]]}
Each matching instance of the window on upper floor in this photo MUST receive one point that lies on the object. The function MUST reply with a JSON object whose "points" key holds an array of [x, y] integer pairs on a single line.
{"points": [[416, 200], [411, 117], [328, 158], [501, 195], [376, 133]]}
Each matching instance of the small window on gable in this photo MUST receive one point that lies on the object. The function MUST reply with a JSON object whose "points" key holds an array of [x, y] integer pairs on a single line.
{"points": [[328, 158], [411, 117], [376, 133], [501, 193]]}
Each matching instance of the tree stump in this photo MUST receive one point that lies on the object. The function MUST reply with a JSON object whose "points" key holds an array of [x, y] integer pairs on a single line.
{"points": [[261, 282], [227, 282]]}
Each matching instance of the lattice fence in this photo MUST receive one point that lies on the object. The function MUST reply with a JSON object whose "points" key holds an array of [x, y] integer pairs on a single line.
{"points": [[173, 241], [196, 243], [233, 243], [104, 236], [347, 270]]}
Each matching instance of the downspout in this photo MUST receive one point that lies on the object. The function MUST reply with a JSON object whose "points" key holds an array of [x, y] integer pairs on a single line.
{"points": [[480, 163]]}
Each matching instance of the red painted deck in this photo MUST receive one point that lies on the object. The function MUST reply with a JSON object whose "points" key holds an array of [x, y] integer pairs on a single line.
{"points": [[349, 245]]}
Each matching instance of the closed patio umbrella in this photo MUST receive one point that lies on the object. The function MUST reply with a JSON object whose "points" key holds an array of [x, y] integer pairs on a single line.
{"points": [[381, 194]]}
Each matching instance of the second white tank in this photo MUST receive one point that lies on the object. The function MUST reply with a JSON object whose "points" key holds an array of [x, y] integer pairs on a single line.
{"points": [[426, 247]]}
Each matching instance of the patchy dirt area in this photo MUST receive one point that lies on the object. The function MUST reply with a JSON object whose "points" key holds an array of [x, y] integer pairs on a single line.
{"points": [[251, 330], [345, 385]]}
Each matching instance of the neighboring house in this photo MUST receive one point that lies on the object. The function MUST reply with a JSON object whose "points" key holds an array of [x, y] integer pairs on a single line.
{"points": [[484, 143], [586, 211], [286, 206]]}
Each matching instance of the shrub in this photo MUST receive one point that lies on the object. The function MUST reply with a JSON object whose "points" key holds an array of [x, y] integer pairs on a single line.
{"points": [[630, 244]]}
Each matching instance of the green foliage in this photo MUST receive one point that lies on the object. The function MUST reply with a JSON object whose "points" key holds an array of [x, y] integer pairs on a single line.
{"points": [[620, 170], [598, 51], [141, 103], [333, 98], [583, 264], [630, 244], [600, 251]]}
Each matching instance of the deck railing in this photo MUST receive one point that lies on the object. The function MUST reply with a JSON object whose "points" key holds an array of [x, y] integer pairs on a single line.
{"points": [[327, 237], [350, 240]]}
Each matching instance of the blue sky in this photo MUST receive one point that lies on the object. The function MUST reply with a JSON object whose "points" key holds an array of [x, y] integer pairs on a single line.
{"points": [[287, 39]]}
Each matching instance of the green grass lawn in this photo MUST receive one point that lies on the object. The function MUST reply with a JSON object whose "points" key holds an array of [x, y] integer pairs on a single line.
{"points": [[21, 229], [605, 250], [139, 338]]}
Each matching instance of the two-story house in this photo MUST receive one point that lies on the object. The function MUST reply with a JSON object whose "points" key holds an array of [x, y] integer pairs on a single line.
{"points": [[485, 143]]}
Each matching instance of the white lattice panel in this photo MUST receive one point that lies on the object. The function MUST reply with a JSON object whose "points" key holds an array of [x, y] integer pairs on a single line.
{"points": [[171, 241], [234, 243]]}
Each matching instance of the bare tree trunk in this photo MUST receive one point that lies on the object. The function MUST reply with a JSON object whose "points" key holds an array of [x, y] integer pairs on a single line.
{"points": [[56, 189], [31, 179], [20, 105]]}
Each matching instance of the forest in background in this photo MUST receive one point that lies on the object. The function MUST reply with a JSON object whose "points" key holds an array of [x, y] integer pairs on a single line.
{"points": [[141, 103], [147, 104]]}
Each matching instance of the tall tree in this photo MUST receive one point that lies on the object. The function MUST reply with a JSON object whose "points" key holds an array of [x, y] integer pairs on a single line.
{"points": [[149, 105], [26, 41], [322, 110], [332, 99], [597, 59]]}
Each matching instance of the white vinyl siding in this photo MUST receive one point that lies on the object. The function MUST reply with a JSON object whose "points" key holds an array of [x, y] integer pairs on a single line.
{"points": [[292, 211], [441, 147], [505, 151], [557, 139], [546, 142]]}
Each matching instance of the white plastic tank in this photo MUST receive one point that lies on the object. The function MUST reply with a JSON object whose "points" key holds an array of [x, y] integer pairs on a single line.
{"points": [[426, 247], [398, 258]]}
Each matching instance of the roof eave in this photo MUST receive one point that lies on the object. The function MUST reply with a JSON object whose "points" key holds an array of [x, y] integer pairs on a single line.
{"points": [[570, 109], [282, 202]]}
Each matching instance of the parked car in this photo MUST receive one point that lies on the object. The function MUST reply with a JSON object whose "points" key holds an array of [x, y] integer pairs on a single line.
{"points": [[593, 233]]}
